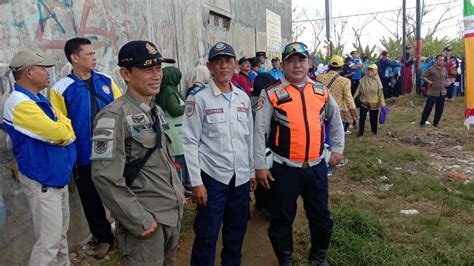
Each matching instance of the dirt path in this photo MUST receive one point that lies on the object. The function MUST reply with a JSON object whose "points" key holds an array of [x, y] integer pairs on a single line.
{"points": [[256, 249]]}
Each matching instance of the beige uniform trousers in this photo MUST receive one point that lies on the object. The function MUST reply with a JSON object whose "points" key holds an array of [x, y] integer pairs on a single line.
{"points": [[50, 212]]}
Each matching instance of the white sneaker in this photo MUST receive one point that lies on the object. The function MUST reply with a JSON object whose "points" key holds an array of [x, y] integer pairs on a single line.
{"points": [[343, 163]]}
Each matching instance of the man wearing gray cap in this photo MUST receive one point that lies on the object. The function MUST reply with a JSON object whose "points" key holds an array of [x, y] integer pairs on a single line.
{"points": [[37, 128], [131, 166]]}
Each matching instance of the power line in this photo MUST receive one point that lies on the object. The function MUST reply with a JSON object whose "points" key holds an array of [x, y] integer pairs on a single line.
{"points": [[370, 13]]}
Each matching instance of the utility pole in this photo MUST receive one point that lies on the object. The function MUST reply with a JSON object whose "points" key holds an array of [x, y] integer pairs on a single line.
{"points": [[328, 25], [403, 72], [418, 47]]}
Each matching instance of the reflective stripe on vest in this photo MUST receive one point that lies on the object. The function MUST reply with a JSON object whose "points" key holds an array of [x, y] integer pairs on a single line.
{"points": [[297, 131]]}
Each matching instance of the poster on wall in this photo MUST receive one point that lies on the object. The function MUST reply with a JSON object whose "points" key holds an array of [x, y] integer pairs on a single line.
{"points": [[273, 33]]}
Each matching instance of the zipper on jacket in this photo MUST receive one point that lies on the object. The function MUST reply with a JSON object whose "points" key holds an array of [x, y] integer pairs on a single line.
{"points": [[306, 124]]}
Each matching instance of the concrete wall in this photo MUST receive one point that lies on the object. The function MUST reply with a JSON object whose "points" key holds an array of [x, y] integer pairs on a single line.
{"points": [[182, 29]]}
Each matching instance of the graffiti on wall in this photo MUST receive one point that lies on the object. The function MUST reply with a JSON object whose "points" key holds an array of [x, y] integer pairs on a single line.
{"points": [[45, 26]]}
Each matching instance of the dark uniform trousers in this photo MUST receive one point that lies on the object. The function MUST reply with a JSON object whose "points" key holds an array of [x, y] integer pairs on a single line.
{"points": [[430, 102], [226, 204], [354, 85], [92, 205], [373, 117], [312, 184]]}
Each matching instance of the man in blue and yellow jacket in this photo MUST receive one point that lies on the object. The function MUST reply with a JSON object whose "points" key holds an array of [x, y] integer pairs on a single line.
{"points": [[80, 96], [42, 143]]}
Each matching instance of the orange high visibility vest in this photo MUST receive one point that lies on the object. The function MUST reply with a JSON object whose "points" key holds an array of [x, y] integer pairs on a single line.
{"points": [[297, 130]]}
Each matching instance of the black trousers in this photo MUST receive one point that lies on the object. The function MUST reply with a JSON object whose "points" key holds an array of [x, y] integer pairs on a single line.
{"points": [[374, 115], [430, 102], [387, 90], [354, 85], [92, 205], [262, 198], [290, 182]]}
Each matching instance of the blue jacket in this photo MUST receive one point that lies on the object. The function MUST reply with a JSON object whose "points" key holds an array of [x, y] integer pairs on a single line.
{"points": [[42, 138], [384, 64], [71, 96]]}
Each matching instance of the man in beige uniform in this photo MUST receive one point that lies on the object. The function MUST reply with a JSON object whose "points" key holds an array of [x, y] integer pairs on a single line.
{"points": [[340, 88], [131, 166]]}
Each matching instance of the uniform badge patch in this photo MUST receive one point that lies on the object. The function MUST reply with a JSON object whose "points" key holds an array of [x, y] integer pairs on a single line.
{"points": [[106, 89], [220, 46], [282, 94], [189, 108], [261, 101], [139, 119], [318, 89], [242, 104], [100, 146], [103, 132], [151, 49]]}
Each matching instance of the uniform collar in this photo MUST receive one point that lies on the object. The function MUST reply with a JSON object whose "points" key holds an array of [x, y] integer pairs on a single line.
{"points": [[285, 82], [145, 108], [36, 98], [216, 91]]}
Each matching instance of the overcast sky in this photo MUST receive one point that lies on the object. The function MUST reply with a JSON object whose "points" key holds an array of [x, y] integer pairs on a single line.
{"points": [[374, 31]]}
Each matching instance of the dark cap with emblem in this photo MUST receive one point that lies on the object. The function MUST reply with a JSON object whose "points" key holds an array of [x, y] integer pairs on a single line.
{"points": [[221, 49], [261, 53], [141, 54], [243, 59], [447, 49]]}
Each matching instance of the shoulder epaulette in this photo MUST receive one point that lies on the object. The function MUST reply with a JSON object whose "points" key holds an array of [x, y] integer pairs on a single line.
{"points": [[274, 86], [197, 89], [238, 87], [115, 106]]}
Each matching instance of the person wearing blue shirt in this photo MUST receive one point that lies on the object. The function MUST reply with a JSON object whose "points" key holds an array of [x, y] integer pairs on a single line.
{"points": [[356, 66], [276, 71], [386, 68], [255, 65], [42, 140], [262, 56]]}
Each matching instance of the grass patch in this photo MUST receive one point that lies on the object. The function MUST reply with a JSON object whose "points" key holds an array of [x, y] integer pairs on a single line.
{"points": [[369, 229]]}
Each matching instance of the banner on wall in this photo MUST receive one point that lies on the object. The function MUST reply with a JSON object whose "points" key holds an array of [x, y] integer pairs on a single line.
{"points": [[273, 33]]}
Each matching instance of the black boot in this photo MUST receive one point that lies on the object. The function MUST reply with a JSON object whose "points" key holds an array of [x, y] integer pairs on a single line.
{"points": [[283, 247], [319, 246]]}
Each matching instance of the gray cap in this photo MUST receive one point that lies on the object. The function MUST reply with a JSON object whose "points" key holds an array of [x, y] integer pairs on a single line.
{"points": [[24, 59]]}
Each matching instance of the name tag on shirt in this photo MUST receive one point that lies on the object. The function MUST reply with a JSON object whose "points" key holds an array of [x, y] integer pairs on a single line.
{"points": [[214, 111]]}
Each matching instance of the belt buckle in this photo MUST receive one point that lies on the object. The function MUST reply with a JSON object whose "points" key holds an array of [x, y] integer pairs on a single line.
{"points": [[305, 165]]}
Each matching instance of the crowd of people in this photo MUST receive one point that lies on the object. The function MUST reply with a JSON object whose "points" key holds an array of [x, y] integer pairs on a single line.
{"points": [[238, 126]]}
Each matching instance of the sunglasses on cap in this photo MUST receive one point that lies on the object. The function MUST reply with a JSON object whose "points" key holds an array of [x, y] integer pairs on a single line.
{"points": [[296, 47]]}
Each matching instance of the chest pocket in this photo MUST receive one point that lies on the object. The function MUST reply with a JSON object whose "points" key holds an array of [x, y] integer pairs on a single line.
{"points": [[140, 145], [216, 125], [243, 122]]}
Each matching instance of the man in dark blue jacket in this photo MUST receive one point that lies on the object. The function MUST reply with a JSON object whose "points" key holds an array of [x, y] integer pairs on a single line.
{"points": [[80, 96]]}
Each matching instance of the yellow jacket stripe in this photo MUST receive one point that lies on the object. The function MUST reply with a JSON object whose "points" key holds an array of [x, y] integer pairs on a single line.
{"points": [[28, 118]]}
